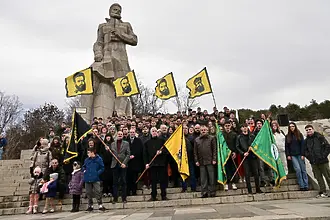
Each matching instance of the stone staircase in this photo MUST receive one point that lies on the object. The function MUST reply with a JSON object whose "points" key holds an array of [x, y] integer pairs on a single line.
{"points": [[14, 189]]}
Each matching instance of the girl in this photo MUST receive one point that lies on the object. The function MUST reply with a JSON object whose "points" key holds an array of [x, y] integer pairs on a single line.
{"points": [[294, 150], [35, 184], [76, 185], [51, 193], [280, 143]]}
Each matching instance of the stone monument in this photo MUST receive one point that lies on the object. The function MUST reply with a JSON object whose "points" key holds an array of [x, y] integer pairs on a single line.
{"points": [[110, 63]]}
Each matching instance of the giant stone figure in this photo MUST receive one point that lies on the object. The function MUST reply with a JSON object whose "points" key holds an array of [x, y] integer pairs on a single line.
{"points": [[110, 63]]}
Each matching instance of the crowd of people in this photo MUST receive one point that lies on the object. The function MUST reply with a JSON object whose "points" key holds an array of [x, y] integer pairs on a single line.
{"points": [[112, 156]]}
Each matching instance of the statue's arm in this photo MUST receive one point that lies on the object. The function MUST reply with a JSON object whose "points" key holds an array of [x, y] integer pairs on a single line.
{"points": [[129, 37], [98, 45]]}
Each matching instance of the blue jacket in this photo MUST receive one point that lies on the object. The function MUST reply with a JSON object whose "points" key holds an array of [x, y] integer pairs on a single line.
{"points": [[93, 168], [3, 142], [52, 187]]}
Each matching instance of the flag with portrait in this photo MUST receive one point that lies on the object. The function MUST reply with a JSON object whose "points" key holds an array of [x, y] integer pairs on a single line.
{"points": [[199, 84], [126, 85], [80, 83], [166, 88]]}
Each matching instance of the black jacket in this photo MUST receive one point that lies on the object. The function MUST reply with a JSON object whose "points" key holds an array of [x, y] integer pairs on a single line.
{"points": [[317, 149], [150, 149], [231, 138], [136, 148], [243, 143], [294, 147]]}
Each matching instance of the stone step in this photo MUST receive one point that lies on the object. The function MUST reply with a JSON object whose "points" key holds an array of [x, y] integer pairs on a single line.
{"points": [[182, 202]]}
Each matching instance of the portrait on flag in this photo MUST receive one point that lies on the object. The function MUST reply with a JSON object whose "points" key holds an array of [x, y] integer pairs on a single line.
{"points": [[166, 88], [80, 83], [126, 85], [199, 84]]}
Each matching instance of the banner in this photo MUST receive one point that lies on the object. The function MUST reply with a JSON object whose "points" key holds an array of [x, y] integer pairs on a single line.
{"points": [[224, 153], [176, 146], [126, 85], [199, 84], [79, 129], [80, 83], [166, 88], [265, 148]]}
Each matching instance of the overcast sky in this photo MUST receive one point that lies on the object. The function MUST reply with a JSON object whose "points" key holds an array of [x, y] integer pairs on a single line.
{"points": [[257, 52]]}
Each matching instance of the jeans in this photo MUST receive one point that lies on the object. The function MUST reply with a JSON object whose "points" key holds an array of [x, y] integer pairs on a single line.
{"points": [[192, 178], [1, 152], [300, 168], [93, 189], [319, 171], [207, 179]]}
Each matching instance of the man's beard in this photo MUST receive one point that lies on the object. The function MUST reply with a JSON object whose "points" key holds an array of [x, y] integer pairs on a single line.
{"points": [[127, 89], [200, 88], [165, 92], [80, 88]]}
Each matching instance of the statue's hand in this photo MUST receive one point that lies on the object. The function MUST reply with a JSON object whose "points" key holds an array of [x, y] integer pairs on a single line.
{"points": [[115, 33], [98, 57]]}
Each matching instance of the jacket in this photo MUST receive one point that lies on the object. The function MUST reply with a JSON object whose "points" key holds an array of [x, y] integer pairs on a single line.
{"points": [[93, 168], [295, 147], [280, 141], [35, 184], [3, 142], [61, 174], [52, 187], [76, 183], [136, 149], [205, 150], [150, 149], [122, 155], [41, 158], [190, 149], [317, 149], [243, 144], [231, 139]]}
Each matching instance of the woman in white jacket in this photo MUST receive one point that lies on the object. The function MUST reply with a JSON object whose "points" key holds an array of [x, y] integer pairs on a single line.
{"points": [[279, 137]]}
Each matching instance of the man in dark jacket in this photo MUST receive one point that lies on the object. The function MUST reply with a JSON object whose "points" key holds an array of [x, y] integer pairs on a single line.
{"points": [[205, 155], [145, 134], [135, 164], [251, 163], [122, 151], [3, 143], [93, 167], [158, 169], [317, 150], [230, 138]]}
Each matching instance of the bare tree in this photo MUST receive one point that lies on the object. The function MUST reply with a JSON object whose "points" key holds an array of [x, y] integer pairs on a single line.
{"points": [[182, 101], [146, 102], [10, 109], [71, 104]]}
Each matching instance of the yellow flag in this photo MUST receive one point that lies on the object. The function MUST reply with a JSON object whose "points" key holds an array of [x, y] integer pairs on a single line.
{"points": [[126, 85], [166, 88], [80, 83], [199, 84], [176, 146]]}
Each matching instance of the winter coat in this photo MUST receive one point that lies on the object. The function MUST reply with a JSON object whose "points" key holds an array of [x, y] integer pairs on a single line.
{"points": [[136, 149], [122, 155], [317, 149], [52, 187], [231, 139], [93, 168], [150, 149], [61, 174], [35, 184], [243, 144], [41, 158], [76, 183], [205, 150], [280, 141], [56, 150], [3, 142], [295, 147]]}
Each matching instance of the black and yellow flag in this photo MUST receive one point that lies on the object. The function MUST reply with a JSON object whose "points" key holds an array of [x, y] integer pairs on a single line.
{"points": [[79, 129], [199, 84], [80, 83], [176, 146], [126, 85], [166, 88]]}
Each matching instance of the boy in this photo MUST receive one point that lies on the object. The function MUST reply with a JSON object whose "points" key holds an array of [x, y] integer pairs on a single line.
{"points": [[93, 168]]}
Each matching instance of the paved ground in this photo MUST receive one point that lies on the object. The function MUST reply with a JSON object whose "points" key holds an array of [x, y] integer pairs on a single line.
{"points": [[285, 209]]}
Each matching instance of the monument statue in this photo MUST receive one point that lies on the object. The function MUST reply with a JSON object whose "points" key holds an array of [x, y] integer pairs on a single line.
{"points": [[110, 63]]}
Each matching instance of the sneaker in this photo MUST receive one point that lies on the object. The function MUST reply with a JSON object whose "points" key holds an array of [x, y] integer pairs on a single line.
{"points": [[234, 186], [152, 199], [101, 208], [45, 211], [124, 201], [105, 195], [144, 186], [109, 194], [89, 209], [115, 200], [322, 195], [204, 196], [35, 209], [29, 211], [226, 187], [240, 181], [51, 210]]}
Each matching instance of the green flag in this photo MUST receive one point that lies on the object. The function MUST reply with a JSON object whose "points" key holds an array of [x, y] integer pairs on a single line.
{"points": [[264, 146], [223, 155]]}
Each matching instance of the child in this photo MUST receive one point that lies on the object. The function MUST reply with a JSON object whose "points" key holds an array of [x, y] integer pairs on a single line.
{"points": [[51, 193], [93, 168], [76, 185], [35, 184]]}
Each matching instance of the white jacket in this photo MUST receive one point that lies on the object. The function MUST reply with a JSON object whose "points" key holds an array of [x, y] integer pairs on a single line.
{"points": [[280, 141]]}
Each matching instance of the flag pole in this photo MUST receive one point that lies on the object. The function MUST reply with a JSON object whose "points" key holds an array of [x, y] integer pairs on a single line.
{"points": [[236, 168], [239, 166], [116, 158], [149, 165], [215, 104]]}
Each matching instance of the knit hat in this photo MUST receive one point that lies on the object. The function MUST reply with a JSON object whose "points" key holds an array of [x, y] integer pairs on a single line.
{"points": [[53, 176]]}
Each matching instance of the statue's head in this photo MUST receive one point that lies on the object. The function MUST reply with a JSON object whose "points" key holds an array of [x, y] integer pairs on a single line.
{"points": [[115, 11]]}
